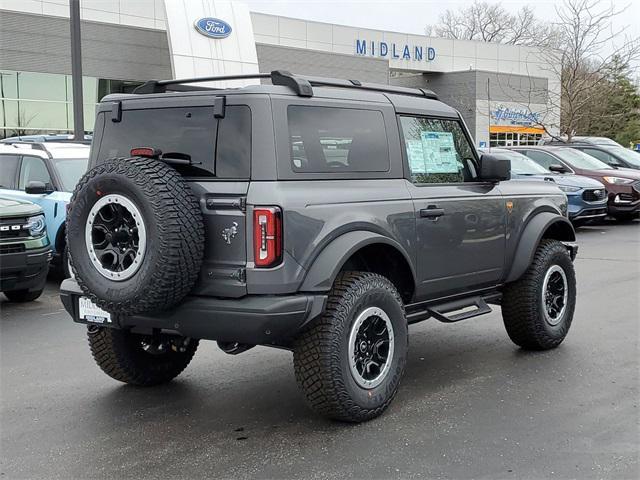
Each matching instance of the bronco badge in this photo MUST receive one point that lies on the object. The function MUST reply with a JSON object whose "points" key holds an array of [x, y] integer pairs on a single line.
{"points": [[229, 233]]}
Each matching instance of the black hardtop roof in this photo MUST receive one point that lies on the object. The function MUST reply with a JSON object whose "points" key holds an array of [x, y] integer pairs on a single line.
{"points": [[406, 100]]}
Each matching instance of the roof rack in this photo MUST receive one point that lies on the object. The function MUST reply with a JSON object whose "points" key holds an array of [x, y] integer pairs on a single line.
{"points": [[32, 145], [302, 85]]}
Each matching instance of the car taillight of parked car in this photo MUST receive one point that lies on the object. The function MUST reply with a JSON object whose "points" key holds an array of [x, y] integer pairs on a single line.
{"points": [[267, 236]]}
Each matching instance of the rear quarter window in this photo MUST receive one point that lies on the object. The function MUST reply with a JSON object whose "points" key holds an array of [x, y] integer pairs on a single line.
{"points": [[336, 140], [8, 170]]}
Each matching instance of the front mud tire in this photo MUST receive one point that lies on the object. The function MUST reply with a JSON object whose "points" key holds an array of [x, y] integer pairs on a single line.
{"points": [[321, 354], [120, 354], [523, 302]]}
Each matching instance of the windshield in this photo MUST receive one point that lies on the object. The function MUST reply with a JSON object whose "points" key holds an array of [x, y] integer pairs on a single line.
{"points": [[522, 165], [578, 159], [627, 155], [70, 170]]}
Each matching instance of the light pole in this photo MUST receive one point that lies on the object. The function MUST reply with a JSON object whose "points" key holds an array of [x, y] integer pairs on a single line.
{"points": [[76, 70]]}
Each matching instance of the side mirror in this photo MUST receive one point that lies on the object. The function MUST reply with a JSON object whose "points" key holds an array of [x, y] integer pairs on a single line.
{"points": [[494, 169], [36, 187], [558, 168]]}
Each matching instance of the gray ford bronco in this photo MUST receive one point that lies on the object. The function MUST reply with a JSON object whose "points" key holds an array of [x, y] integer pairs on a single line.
{"points": [[317, 215]]}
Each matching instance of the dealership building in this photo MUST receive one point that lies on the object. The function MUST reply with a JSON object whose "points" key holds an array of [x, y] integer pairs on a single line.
{"points": [[502, 91]]}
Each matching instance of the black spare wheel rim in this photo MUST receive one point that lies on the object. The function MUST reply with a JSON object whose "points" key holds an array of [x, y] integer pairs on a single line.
{"points": [[116, 237], [136, 235]]}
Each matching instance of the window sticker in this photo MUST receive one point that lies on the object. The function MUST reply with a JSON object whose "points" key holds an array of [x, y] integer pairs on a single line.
{"points": [[439, 152], [415, 153]]}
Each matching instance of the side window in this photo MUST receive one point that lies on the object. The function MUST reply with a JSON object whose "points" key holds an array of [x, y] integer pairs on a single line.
{"points": [[33, 169], [437, 150], [541, 158], [600, 155], [337, 140], [8, 169]]}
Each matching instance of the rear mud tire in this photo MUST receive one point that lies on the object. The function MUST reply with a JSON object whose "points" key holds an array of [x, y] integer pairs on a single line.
{"points": [[120, 355], [321, 353]]}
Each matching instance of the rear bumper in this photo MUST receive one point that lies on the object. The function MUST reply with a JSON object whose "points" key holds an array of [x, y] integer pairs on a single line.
{"points": [[253, 319], [24, 270]]}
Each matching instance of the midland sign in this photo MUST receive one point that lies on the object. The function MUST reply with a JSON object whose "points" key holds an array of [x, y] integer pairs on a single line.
{"points": [[395, 51]]}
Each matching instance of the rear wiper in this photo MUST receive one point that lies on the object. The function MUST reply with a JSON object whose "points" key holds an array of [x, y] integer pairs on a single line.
{"points": [[177, 158], [182, 159]]}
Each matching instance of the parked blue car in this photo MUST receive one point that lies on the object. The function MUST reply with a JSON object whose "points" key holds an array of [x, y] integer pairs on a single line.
{"points": [[45, 174], [587, 197]]}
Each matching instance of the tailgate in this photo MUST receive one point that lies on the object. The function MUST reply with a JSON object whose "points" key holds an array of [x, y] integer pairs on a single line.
{"points": [[223, 207]]}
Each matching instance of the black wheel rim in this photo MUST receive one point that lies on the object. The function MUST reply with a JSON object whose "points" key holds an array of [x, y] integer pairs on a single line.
{"points": [[555, 294], [371, 347]]}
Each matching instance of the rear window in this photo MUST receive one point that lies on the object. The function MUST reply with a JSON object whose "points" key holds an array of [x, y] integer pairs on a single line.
{"points": [[337, 140], [217, 147]]}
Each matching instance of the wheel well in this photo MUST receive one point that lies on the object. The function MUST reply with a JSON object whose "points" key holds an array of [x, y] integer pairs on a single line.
{"points": [[387, 261], [60, 239], [560, 231]]}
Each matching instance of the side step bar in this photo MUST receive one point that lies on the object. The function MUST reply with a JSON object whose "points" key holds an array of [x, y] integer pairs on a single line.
{"points": [[453, 310]]}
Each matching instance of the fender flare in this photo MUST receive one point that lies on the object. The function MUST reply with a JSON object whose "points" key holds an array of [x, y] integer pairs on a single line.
{"points": [[329, 262], [61, 238], [530, 239]]}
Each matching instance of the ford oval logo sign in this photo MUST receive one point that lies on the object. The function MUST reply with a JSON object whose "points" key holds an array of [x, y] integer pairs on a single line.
{"points": [[213, 27]]}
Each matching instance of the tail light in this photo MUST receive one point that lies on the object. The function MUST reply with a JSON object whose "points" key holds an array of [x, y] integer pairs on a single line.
{"points": [[267, 236]]}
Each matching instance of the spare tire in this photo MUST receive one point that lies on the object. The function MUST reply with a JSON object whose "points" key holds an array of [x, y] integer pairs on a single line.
{"points": [[136, 235]]}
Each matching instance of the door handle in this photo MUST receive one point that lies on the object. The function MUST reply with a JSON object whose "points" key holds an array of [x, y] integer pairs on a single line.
{"points": [[432, 211]]}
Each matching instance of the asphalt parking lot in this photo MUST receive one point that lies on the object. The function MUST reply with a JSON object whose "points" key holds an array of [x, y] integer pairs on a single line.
{"points": [[471, 404]]}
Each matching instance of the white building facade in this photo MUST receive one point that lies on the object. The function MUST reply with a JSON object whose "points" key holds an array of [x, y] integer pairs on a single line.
{"points": [[502, 91]]}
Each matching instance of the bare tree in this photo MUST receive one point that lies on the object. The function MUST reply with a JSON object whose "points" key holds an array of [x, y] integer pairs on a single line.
{"points": [[493, 23], [590, 52], [580, 57], [23, 120]]}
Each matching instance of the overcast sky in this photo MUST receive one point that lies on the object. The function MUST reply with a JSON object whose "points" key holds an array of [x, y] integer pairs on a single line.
{"points": [[411, 17]]}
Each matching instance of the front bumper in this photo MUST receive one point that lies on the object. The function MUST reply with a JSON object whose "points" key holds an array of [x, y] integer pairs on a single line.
{"points": [[253, 319], [625, 200], [631, 208], [25, 270], [580, 209], [588, 214]]}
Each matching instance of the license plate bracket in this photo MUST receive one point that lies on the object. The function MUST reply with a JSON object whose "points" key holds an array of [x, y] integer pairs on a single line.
{"points": [[89, 312]]}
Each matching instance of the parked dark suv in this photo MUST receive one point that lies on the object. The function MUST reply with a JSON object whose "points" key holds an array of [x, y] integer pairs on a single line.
{"points": [[317, 215], [617, 157]]}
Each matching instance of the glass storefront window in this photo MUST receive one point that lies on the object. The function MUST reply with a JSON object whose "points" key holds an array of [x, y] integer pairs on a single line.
{"points": [[42, 115], [42, 86], [8, 112], [8, 84], [37, 103], [512, 139]]}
